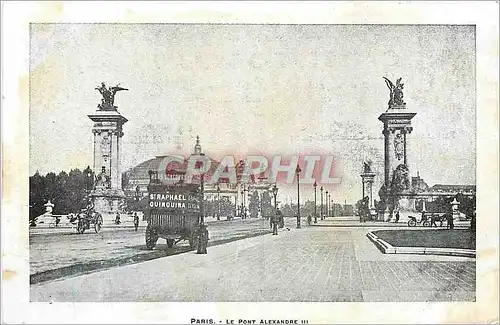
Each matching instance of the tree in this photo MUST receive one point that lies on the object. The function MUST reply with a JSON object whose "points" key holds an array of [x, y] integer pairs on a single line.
{"points": [[227, 209], [36, 195], [348, 210], [50, 187], [338, 210], [63, 193], [254, 205], [467, 204], [68, 192], [288, 210], [267, 205], [307, 208], [362, 206]]}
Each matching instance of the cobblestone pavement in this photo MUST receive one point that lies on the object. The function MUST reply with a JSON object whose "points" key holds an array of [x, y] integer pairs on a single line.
{"points": [[311, 264], [55, 248]]}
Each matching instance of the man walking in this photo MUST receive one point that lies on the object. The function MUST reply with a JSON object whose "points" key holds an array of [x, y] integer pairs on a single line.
{"points": [[274, 222], [202, 239], [117, 218], [449, 220], [433, 220], [136, 221]]}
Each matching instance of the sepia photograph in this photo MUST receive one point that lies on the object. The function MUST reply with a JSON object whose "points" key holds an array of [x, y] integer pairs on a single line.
{"points": [[253, 162]]}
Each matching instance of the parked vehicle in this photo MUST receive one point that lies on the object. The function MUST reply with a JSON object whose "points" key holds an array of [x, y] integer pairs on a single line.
{"points": [[173, 211], [429, 220], [424, 221], [88, 218]]}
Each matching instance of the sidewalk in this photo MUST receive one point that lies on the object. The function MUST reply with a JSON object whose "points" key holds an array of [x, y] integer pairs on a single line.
{"points": [[65, 253], [354, 222], [109, 226]]}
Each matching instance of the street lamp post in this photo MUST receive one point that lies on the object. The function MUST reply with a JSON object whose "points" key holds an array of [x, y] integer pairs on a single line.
{"points": [[326, 203], [274, 220], [245, 190], [315, 213], [297, 172], [329, 205], [202, 205], [242, 205], [218, 202], [88, 187], [88, 181], [321, 196]]}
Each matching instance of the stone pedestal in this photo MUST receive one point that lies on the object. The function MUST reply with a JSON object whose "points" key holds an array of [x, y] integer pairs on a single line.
{"points": [[454, 208], [108, 196], [108, 202], [49, 207], [387, 215], [367, 178]]}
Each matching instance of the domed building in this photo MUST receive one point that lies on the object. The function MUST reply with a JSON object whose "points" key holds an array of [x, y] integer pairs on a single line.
{"points": [[222, 199]]}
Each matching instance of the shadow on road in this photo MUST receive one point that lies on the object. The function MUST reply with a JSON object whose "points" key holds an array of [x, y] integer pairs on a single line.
{"points": [[143, 254]]}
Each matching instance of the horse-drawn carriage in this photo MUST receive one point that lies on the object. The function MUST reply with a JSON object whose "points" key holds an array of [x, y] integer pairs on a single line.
{"points": [[87, 219], [428, 220], [173, 210]]}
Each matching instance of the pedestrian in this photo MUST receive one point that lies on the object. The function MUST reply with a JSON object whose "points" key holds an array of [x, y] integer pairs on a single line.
{"points": [[281, 219], [202, 239], [433, 220], [450, 223], [72, 218], [117, 218], [309, 218], [473, 221], [274, 221], [136, 221], [449, 220], [397, 216], [422, 217]]}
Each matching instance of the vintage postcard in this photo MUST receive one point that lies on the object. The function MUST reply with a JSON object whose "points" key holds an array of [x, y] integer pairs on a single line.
{"points": [[250, 163]]}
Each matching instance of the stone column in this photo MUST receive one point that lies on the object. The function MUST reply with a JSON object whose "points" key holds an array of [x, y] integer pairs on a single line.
{"points": [[114, 160], [367, 178], [392, 161], [107, 142], [386, 133], [106, 161], [238, 198], [370, 191], [405, 146], [118, 160], [97, 151], [395, 119], [363, 187]]}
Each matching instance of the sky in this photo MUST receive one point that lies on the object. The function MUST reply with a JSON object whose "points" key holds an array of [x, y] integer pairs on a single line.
{"points": [[271, 89]]}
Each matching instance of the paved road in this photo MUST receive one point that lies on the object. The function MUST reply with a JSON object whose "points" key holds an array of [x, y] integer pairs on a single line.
{"points": [[311, 264], [56, 248]]}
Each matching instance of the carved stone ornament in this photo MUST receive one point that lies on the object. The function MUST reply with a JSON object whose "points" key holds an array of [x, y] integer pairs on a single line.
{"points": [[105, 145], [399, 146]]}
